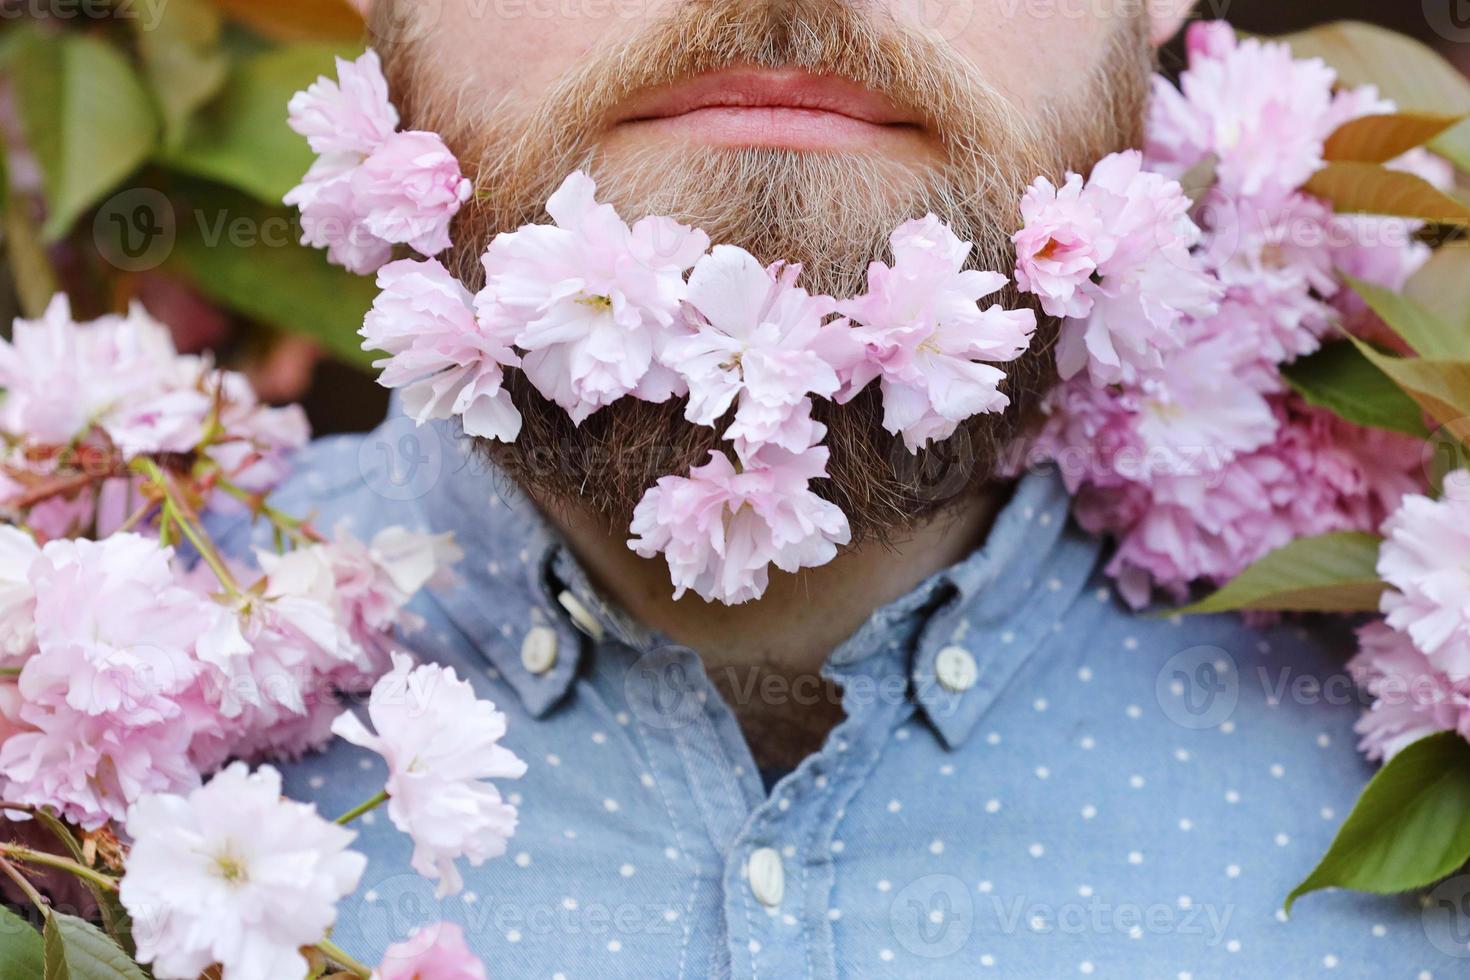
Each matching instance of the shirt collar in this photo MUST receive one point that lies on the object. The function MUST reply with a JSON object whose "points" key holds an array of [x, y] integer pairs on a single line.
{"points": [[521, 588]]}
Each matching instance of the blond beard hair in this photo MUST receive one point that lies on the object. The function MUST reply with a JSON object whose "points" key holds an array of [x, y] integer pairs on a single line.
{"points": [[830, 212]]}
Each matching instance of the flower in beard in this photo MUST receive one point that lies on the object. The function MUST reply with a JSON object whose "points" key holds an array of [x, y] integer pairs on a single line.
{"points": [[926, 336], [1059, 246], [1424, 559], [234, 875], [763, 341], [447, 362], [590, 299], [371, 187], [1412, 699], [722, 527], [442, 746], [1132, 308], [351, 115], [437, 951]]}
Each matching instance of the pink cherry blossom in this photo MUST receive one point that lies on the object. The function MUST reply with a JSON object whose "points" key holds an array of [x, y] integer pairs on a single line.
{"points": [[232, 874], [442, 746], [448, 363], [371, 187], [435, 952], [928, 340], [1147, 282], [409, 191], [722, 527], [763, 341], [1059, 246], [333, 218], [352, 115], [18, 553], [1262, 113], [1424, 560], [1412, 699], [591, 300]]}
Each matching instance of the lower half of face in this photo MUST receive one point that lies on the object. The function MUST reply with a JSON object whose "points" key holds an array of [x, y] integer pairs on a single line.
{"points": [[801, 130]]}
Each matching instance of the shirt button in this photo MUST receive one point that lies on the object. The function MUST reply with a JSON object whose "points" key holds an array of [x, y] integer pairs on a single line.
{"points": [[956, 669], [585, 621], [538, 652], [767, 877]]}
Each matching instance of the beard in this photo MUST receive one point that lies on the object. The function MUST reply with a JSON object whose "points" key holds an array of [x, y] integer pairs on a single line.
{"points": [[831, 212]]}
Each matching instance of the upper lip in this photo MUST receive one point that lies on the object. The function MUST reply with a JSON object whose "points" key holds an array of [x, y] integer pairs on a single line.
{"points": [[763, 88]]}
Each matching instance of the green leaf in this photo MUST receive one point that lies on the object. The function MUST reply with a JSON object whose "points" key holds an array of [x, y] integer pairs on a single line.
{"points": [[1346, 383], [1415, 76], [1420, 328], [1379, 139], [1369, 188], [1442, 388], [1410, 828], [21, 952], [179, 44], [86, 117], [1333, 573], [1442, 287], [247, 257], [78, 950], [241, 139]]}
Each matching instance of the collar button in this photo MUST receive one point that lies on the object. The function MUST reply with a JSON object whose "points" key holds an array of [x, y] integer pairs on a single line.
{"points": [[956, 669], [538, 652]]}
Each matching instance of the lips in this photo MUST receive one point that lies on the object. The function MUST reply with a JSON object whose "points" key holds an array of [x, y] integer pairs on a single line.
{"points": [[771, 107]]}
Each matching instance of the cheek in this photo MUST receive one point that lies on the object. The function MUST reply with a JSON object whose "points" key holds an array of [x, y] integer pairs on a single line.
{"points": [[1031, 51], [517, 49]]}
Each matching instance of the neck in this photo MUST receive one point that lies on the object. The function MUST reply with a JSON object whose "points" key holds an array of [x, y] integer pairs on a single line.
{"points": [[792, 630]]}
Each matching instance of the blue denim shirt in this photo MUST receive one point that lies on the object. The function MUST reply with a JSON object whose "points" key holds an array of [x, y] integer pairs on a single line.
{"points": [[1113, 795]]}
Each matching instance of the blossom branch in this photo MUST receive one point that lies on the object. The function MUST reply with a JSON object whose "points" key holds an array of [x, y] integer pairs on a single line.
{"points": [[27, 855], [343, 959], [362, 809]]}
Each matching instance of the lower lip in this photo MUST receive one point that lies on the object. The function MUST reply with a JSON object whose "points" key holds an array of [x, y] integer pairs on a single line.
{"points": [[778, 127]]}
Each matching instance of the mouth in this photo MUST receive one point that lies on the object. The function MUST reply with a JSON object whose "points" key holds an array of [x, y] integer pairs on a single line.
{"points": [[777, 108]]}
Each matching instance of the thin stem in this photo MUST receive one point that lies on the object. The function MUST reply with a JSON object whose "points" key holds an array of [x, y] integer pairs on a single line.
{"points": [[339, 956], [28, 856], [363, 808], [24, 884], [295, 528], [177, 512]]}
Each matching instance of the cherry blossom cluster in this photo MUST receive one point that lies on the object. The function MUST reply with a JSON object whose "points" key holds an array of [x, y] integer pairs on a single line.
{"points": [[372, 187], [1175, 428], [1416, 662], [591, 310], [137, 659]]}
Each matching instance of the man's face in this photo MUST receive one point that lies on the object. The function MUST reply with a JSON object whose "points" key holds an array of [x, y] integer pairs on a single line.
{"points": [[803, 130]]}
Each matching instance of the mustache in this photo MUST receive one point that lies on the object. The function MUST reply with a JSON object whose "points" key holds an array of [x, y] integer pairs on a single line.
{"points": [[860, 42]]}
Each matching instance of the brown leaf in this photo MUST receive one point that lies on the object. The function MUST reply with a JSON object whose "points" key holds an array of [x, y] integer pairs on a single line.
{"points": [[1379, 139], [1368, 188], [296, 20]]}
